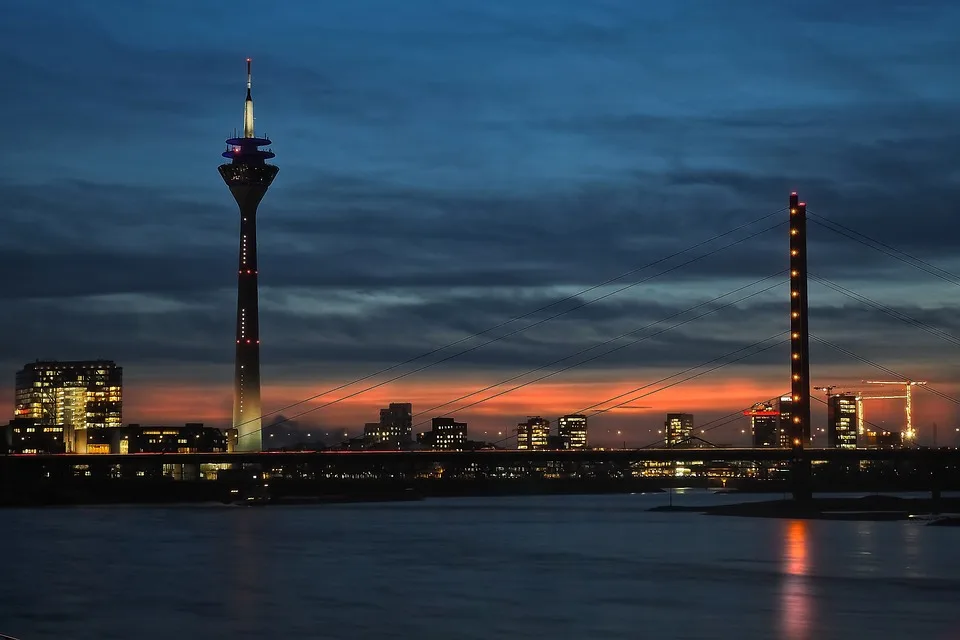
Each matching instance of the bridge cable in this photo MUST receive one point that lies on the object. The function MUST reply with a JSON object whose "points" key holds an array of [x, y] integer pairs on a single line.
{"points": [[719, 366], [522, 316], [679, 373], [705, 427], [883, 368], [733, 417], [602, 344], [688, 378], [501, 337], [888, 310], [884, 248]]}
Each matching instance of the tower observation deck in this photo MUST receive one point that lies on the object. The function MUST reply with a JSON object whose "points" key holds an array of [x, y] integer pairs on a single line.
{"points": [[248, 176]]}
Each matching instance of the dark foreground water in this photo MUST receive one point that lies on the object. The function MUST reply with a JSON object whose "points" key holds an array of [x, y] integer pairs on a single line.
{"points": [[576, 567]]}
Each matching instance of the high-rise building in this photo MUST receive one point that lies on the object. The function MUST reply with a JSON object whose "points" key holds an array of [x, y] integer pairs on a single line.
{"points": [[395, 426], [533, 434], [764, 425], [842, 421], [785, 407], [445, 433], [248, 176], [572, 430], [74, 395], [678, 428]]}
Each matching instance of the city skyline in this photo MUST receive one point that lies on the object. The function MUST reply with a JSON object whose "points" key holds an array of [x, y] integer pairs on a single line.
{"points": [[421, 205]]}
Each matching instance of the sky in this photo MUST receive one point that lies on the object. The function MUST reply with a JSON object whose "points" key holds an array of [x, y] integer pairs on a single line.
{"points": [[448, 166]]}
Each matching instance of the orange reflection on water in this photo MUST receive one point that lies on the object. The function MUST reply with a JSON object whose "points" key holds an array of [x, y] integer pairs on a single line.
{"points": [[796, 603], [795, 556]]}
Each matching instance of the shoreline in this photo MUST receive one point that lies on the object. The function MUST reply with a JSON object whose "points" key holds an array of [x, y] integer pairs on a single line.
{"points": [[874, 508]]}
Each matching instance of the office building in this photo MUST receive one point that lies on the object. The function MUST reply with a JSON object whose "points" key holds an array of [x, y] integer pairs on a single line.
{"points": [[785, 407], [75, 395], [371, 431], [572, 430], [248, 177], [533, 434], [842, 421], [874, 439], [445, 434], [395, 428], [678, 429], [764, 425], [28, 435], [396, 423], [192, 437]]}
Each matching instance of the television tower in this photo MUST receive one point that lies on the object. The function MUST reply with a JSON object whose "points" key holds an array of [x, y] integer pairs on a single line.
{"points": [[248, 176]]}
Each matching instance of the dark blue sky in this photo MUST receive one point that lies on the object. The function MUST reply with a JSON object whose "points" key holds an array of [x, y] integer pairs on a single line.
{"points": [[448, 165]]}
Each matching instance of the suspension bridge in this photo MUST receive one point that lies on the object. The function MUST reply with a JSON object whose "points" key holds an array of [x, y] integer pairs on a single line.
{"points": [[798, 453]]}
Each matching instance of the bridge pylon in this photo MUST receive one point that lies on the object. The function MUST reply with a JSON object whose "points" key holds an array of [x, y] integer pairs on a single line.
{"points": [[799, 430]]}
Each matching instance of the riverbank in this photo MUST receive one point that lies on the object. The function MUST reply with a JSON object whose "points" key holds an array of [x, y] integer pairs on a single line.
{"points": [[872, 508], [93, 491]]}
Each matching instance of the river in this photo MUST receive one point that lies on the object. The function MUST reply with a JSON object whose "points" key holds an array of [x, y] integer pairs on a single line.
{"points": [[557, 567]]}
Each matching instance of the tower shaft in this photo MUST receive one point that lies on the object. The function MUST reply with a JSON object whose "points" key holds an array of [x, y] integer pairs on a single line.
{"points": [[799, 328], [246, 375]]}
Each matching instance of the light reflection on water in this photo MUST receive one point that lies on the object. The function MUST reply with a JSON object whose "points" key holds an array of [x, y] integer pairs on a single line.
{"points": [[798, 596], [473, 568]]}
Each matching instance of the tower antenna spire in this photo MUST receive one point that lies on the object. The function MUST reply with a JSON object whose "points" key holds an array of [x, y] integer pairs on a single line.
{"points": [[248, 176], [248, 106]]}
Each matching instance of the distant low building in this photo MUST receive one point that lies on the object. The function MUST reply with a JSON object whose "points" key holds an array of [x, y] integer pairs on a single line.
{"points": [[395, 428], [233, 437], [31, 435], [445, 434], [192, 437], [883, 440]]}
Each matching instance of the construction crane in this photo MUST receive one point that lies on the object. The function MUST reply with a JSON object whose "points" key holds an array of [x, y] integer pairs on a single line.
{"points": [[827, 390], [858, 399], [909, 434]]}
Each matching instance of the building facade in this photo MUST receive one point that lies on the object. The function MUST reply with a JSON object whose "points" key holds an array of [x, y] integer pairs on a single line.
{"points": [[395, 428], [533, 434], [677, 429], [28, 435], [787, 435], [445, 434], [572, 430], [192, 437], [75, 395], [842, 421], [396, 423], [764, 425]]}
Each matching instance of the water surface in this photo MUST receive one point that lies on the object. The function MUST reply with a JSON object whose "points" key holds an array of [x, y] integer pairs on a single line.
{"points": [[517, 567]]}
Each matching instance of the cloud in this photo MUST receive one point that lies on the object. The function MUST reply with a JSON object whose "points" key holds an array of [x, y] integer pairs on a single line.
{"points": [[446, 169]]}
